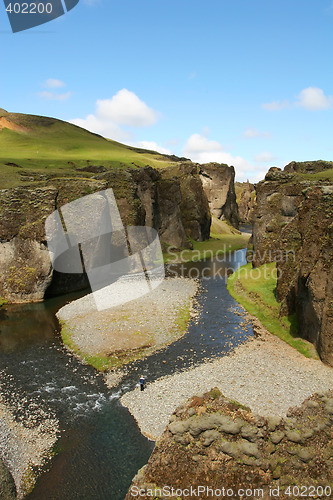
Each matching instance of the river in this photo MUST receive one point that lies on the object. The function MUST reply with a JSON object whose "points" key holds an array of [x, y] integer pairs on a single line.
{"points": [[101, 447]]}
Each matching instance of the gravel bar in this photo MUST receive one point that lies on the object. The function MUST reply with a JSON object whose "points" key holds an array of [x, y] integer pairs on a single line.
{"points": [[264, 373], [26, 444], [149, 322]]}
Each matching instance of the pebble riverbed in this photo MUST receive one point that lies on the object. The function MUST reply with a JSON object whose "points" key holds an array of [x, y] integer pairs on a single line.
{"points": [[264, 373]]}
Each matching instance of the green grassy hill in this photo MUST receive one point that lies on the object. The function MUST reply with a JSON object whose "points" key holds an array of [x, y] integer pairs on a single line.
{"points": [[39, 145]]}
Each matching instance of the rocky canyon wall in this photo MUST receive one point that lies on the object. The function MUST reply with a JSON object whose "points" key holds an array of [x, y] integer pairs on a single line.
{"points": [[293, 225], [218, 181], [173, 201]]}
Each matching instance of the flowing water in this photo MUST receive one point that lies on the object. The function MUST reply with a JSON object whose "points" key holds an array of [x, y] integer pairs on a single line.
{"points": [[101, 447]]}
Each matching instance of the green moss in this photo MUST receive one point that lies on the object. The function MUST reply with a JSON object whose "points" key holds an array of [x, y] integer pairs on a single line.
{"points": [[183, 318], [28, 480], [255, 289], [215, 393], [21, 278], [239, 405], [3, 302]]}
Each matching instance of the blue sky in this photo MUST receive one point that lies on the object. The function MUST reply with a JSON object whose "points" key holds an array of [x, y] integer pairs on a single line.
{"points": [[243, 82]]}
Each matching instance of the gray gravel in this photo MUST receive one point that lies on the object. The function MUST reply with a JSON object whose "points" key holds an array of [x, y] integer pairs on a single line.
{"points": [[149, 321], [27, 443], [265, 374]]}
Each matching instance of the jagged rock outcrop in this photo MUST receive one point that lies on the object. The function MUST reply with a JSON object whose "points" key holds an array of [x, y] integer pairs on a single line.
{"points": [[246, 201], [194, 204], [218, 183], [216, 443], [7, 485], [293, 225], [172, 201]]}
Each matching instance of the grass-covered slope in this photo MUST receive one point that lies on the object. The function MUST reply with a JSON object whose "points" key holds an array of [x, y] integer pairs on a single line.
{"points": [[255, 289], [39, 145]]}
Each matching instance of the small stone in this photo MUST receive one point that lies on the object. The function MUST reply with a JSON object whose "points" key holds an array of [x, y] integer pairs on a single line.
{"points": [[250, 433], [294, 436], [249, 461], [329, 410], [312, 404], [250, 449], [209, 437], [308, 434], [273, 422], [292, 450], [179, 427], [191, 412], [182, 439], [305, 454], [196, 458], [230, 426], [231, 449], [270, 448], [199, 424], [277, 436]]}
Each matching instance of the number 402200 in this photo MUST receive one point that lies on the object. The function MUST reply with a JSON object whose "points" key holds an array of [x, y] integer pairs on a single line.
{"points": [[29, 8]]}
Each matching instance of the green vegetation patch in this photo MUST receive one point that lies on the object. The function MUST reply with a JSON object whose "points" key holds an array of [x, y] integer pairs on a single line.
{"points": [[318, 176], [218, 244], [103, 362], [98, 361], [32, 147], [255, 290]]}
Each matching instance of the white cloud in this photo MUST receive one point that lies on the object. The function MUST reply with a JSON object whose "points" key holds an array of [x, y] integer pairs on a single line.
{"points": [[105, 128], [52, 96], [203, 150], [198, 145], [313, 98], [276, 105], [265, 156], [125, 108], [310, 98], [253, 132], [53, 83], [153, 146]]}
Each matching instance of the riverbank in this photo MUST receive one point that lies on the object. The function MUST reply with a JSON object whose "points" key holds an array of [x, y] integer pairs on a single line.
{"points": [[26, 443], [224, 239], [116, 336], [255, 290], [265, 374]]}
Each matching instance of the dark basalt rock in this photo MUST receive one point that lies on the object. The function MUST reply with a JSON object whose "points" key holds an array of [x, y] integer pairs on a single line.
{"points": [[218, 183], [293, 225], [198, 449], [173, 201]]}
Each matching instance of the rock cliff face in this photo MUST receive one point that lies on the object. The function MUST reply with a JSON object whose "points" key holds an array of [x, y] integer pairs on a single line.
{"points": [[216, 443], [173, 202], [218, 183], [246, 201], [293, 225]]}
